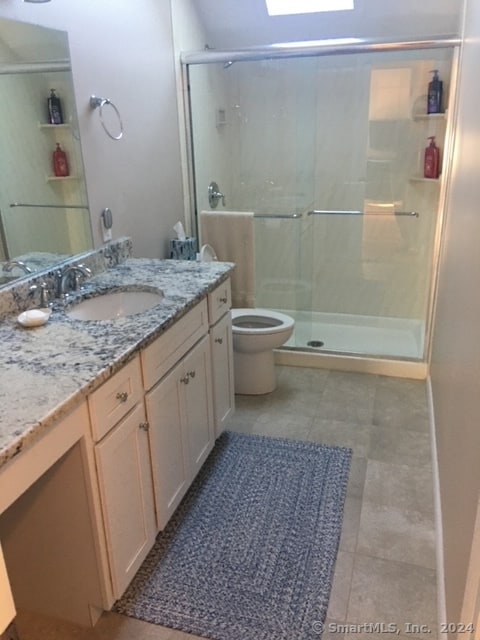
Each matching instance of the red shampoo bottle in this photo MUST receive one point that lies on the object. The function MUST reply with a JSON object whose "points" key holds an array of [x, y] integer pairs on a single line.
{"points": [[431, 166], [60, 162]]}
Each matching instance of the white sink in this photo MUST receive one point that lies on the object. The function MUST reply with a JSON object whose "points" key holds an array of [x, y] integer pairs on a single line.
{"points": [[116, 304]]}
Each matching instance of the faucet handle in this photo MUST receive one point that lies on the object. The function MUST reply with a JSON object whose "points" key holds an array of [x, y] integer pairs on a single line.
{"points": [[44, 294]]}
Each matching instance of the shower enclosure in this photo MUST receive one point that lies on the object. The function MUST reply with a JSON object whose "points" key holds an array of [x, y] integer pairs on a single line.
{"points": [[326, 146]]}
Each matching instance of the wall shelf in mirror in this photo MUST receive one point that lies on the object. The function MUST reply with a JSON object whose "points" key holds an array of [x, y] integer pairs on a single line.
{"points": [[60, 227]]}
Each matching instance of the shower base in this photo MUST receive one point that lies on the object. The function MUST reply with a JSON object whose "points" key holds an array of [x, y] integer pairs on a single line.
{"points": [[382, 346]]}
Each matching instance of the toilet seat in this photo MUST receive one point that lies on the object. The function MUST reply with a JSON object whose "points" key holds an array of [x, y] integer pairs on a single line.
{"points": [[259, 321]]}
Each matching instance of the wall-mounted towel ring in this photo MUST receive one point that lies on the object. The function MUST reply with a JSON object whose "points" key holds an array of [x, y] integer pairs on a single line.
{"points": [[100, 103]]}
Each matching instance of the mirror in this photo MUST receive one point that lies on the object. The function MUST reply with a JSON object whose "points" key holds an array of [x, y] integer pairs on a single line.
{"points": [[44, 218]]}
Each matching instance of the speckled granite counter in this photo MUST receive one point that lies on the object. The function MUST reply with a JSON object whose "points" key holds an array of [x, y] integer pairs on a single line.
{"points": [[46, 371]]}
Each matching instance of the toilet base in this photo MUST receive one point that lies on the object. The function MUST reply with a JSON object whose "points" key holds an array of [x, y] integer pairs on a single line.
{"points": [[254, 373]]}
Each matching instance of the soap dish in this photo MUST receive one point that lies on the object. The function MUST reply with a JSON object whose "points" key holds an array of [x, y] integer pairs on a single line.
{"points": [[34, 317]]}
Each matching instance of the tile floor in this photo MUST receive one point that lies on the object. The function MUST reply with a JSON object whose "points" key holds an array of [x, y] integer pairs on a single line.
{"points": [[385, 571]]}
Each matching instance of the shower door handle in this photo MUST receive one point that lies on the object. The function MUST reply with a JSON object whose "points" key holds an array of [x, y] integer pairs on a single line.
{"points": [[214, 195]]}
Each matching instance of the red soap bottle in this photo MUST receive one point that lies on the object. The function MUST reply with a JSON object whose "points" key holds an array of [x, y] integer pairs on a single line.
{"points": [[431, 166], [60, 162]]}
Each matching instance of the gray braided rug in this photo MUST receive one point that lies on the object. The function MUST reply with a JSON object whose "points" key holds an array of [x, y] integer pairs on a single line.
{"points": [[250, 552]]}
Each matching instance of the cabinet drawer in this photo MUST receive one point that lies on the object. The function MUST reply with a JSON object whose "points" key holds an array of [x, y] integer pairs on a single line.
{"points": [[170, 347], [114, 399], [219, 302]]}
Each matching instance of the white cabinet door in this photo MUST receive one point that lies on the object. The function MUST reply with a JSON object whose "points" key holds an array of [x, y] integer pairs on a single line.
{"points": [[179, 410], [169, 453], [198, 404], [124, 473], [222, 369]]}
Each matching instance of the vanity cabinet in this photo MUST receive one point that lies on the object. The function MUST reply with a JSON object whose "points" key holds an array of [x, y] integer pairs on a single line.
{"points": [[221, 345]]}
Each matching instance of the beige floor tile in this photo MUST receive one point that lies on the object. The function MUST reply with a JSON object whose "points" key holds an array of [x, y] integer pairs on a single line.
{"points": [[393, 593], [400, 486], [302, 378], [293, 401], [400, 446], [351, 523], [348, 397], [341, 434], [356, 478], [396, 534], [337, 607], [332, 629], [401, 404], [286, 425]]}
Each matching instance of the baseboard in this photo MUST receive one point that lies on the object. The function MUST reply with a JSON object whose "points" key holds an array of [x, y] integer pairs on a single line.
{"points": [[358, 364], [441, 595]]}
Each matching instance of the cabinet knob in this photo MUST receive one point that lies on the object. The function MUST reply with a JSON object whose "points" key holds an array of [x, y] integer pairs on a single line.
{"points": [[185, 379], [144, 426], [219, 340], [191, 374], [122, 396], [223, 300]]}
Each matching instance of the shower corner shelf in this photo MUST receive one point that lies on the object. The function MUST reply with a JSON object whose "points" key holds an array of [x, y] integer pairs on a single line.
{"points": [[422, 179], [60, 178], [45, 125], [430, 116]]}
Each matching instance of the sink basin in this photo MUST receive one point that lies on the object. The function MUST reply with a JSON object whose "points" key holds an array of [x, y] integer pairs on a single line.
{"points": [[115, 304]]}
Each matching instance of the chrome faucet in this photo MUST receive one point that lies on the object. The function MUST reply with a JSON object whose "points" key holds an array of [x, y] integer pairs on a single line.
{"points": [[11, 264], [70, 278]]}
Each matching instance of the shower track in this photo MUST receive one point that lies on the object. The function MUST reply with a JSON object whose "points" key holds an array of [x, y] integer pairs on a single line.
{"points": [[317, 48]]}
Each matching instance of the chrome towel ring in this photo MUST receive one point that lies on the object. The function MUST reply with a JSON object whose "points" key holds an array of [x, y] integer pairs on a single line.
{"points": [[99, 103]]}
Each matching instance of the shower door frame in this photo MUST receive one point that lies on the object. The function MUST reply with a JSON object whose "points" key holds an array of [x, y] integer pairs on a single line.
{"points": [[386, 365]]}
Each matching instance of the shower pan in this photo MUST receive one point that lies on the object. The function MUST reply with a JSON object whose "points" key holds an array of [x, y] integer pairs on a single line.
{"points": [[325, 144]]}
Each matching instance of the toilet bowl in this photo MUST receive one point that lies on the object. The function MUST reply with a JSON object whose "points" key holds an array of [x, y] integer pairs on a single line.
{"points": [[256, 333]]}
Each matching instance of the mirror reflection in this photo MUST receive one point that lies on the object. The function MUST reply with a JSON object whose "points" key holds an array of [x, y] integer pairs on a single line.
{"points": [[44, 216]]}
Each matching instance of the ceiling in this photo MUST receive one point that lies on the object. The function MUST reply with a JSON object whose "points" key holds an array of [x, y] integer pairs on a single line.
{"points": [[242, 23]]}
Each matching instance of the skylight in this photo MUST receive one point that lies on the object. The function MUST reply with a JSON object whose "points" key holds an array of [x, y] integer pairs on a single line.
{"points": [[289, 7]]}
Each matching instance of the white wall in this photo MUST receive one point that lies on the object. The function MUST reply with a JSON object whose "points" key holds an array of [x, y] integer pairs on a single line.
{"points": [[123, 50], [455, 367], [232, 24]]}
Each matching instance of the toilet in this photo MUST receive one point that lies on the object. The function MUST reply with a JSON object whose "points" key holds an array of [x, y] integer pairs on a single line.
{"points": [[256, 333]]}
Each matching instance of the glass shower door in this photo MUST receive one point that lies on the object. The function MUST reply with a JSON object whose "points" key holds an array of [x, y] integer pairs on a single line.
{"points": [[328, 154]]}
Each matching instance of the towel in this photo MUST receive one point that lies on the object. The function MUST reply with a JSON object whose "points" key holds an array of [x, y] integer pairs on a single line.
{"points": [[231, 235]]}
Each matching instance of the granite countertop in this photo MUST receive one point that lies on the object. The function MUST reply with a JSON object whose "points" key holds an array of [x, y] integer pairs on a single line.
{"points": [[46, 371]]}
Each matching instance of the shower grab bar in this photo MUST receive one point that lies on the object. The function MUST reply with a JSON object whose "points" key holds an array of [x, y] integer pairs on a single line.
{"points": [[49, 206], [317, 212], [289, 216]]}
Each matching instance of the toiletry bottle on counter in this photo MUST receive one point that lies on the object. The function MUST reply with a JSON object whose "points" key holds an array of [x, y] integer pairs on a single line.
{"points": [[60, 162], [431, 167], [435, 91], [55, 115]]}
